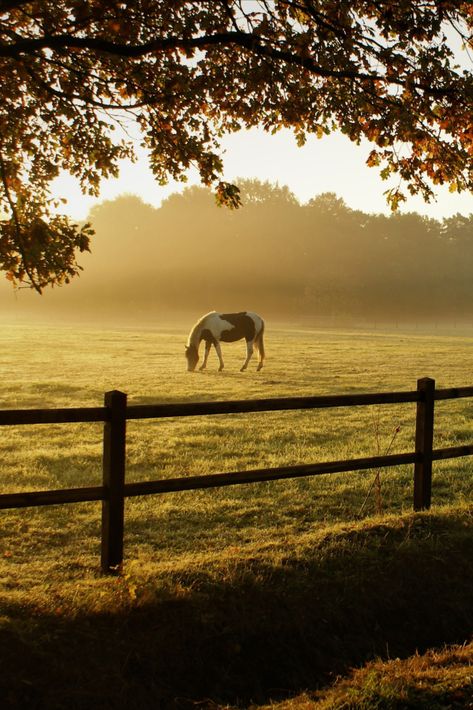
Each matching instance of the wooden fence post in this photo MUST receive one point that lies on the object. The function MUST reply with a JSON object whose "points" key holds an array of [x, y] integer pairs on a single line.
{"points": [[113, 506], [424, 443]]}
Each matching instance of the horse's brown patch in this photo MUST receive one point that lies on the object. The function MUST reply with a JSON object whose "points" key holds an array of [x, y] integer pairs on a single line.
{"points": [[208, 337], [243, 327]]}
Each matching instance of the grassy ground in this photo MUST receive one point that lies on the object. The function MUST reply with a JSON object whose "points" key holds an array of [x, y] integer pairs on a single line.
{"points": [[235, 595], [242, 627], [438, 680]]}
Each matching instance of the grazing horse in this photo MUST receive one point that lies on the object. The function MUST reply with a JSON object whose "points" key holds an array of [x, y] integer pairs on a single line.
{"points": [[215, 327]]}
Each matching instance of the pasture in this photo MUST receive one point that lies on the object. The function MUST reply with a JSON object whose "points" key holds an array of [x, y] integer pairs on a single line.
{"points": [[178, 546]]}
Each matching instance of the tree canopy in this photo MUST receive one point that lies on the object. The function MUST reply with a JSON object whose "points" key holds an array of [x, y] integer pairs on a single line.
{"points": [[185, 73]]}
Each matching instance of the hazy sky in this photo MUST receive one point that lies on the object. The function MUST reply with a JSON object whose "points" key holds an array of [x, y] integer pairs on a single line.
{"points": [[330, 164]]}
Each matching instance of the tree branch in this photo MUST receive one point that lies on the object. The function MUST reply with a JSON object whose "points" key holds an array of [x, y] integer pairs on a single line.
{"points": [[8, 5], [16, 221], [239, 38]]}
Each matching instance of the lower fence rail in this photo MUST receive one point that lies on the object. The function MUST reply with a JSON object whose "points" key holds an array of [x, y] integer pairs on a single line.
{"points": [[215, 480]]}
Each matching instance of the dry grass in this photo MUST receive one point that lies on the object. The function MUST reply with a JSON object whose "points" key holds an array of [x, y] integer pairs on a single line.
{"points": [[438, 680]]}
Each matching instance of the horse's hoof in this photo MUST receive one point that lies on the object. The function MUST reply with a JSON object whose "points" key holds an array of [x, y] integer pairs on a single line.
{"points": [[242, 369], [260, 367]]}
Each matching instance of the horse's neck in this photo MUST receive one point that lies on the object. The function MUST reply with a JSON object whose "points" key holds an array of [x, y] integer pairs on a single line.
{"points": [[195, 335]]}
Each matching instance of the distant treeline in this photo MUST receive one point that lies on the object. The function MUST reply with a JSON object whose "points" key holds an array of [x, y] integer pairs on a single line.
{"points": [[275, 255]]}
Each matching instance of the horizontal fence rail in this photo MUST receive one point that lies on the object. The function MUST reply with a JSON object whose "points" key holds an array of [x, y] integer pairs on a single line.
{"points": [[194, 409], [216, 480], [53, 416], [116, 413]]}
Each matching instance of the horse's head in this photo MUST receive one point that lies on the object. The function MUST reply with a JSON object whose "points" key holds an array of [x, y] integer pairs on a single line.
{"points": [[192, 357]]}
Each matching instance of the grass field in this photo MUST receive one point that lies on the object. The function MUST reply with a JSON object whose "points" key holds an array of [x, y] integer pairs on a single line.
{"points": [[219, 564]]}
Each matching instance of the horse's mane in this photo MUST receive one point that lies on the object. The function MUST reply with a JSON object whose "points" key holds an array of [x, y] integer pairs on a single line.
{"points": [[198, 325]]}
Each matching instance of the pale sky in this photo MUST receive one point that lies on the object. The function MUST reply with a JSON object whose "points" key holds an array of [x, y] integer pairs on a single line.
{"points": [[330, 164]]}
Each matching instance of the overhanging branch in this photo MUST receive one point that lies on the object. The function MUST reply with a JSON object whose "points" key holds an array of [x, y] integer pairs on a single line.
{"points": [[247, 41]]}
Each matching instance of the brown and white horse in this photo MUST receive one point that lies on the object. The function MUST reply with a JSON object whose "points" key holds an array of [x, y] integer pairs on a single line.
{"points": [[215, 328]]}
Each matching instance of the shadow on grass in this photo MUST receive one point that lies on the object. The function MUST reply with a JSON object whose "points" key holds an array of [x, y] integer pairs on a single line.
{"points": [[257, 632]]}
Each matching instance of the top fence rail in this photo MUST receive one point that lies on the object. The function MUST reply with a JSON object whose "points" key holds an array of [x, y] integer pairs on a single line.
{"points": [[190, 409]]}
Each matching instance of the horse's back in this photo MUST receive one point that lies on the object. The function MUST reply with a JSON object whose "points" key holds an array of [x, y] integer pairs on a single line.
{"points": [[245, 324], [231, 317]]}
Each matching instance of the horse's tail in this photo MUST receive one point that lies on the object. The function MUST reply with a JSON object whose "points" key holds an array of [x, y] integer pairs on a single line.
{"points": [[259, 342]]}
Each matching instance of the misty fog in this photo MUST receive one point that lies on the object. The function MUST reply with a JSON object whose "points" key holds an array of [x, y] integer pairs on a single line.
{"points": [[273, 255]]}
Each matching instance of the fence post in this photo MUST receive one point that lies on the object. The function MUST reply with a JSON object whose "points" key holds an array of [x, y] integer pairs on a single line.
{"points": [[424, 443], [113, 505]]}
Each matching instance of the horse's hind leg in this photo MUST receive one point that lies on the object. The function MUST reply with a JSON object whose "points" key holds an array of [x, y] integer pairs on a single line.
{"points": [[249, 353], [260, 346]]}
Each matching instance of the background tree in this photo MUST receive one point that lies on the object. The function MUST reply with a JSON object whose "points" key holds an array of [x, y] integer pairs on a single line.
{"points": [[320, 260], [186, 72]]}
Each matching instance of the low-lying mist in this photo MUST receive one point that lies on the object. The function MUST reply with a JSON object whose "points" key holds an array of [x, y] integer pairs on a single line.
{"points": [[274, 255]]}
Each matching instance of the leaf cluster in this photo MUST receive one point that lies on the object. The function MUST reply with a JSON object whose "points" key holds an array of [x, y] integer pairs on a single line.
{"points": [[176, 75]]}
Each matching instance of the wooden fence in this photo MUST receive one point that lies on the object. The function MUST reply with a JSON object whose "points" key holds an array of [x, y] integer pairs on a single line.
{"points": [[115, 414]]}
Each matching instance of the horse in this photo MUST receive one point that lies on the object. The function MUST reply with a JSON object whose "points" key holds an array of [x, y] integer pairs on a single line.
{"points": [[215, 328]]}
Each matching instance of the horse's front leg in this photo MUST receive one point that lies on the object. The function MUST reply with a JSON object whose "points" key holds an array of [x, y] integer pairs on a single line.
{"points": [[206, 355], [219, 354], [249, 353]]}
